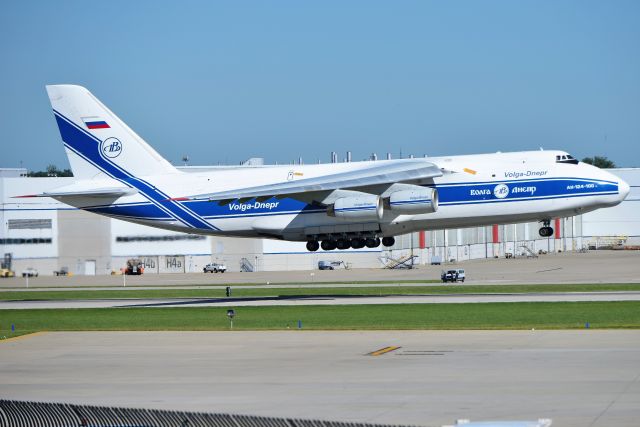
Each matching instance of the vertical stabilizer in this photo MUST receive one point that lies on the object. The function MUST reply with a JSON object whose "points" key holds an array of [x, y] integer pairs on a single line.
{"points": [[97, 142]]}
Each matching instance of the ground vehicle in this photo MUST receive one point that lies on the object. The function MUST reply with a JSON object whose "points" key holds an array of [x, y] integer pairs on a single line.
{"points": [[29, 272], [5, 272], [214, 268], [456, 275], [331, 265], [64, 271], [134, 267]]}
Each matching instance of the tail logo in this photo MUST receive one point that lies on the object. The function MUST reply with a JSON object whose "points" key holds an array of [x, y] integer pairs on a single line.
{"points": [[111, 147]]}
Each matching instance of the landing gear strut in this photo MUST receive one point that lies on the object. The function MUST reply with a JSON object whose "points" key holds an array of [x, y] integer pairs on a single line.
{"points": [[546, 230]]}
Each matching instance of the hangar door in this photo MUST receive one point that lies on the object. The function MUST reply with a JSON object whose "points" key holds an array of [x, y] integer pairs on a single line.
{"points": [[90, 267]]}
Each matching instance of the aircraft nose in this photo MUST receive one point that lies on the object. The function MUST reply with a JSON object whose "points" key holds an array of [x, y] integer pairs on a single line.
{"points": [[623, 189]]}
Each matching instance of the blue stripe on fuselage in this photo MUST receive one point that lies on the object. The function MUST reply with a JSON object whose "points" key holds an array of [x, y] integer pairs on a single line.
{"points": [[87, 146], [523, 190], [449, 195]]}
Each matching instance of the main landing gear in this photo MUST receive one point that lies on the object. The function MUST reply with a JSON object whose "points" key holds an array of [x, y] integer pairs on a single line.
{"points": [[546, 230], [343, 243]]}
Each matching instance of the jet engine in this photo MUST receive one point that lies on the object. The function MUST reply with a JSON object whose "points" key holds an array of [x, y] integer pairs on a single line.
{"points": [[412, 201], [365, 207]]}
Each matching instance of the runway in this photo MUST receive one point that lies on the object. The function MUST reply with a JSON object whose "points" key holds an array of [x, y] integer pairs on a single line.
{"points": [[577, 378], [323, 300]]}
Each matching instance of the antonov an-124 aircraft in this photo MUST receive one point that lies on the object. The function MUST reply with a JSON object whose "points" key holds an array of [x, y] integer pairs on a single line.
{"points": [[329, 206]]}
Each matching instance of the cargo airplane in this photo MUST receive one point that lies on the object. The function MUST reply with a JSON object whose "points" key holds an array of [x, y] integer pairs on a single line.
{"points": [[329, 206]]}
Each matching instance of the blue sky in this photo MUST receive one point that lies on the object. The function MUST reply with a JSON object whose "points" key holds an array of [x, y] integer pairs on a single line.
{"points": [[224, 81]]}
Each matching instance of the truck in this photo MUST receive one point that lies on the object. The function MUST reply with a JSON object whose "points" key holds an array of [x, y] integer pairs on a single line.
{"points": [[214, 267], [453, 275], [134, 267], [29, 272], [64, 271]]}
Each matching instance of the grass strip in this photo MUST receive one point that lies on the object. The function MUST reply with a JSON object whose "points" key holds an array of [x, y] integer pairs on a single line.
{"points": [[307, 291], [539, 315]]}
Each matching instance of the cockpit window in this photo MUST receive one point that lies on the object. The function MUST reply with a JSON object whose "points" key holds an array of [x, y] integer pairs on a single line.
{"points": [[566, 158]]}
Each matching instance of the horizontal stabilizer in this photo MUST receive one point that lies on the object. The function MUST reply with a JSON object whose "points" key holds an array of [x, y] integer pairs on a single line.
{"points": [[94, 192]]}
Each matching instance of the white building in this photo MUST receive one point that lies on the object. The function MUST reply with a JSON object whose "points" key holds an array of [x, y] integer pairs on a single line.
{"points": [[48, 235]]}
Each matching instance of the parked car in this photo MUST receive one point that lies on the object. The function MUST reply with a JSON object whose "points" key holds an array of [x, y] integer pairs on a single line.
{"points": [[5, 272], [64, 271], [456, 275], [214, 268], [436, 260], [29, 272]]}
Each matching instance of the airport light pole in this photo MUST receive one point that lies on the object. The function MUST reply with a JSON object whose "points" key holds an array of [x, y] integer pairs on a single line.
{"points": [[231, 314]]}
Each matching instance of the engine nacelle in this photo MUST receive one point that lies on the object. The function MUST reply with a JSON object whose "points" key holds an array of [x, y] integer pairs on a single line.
{"points": [[418, 200], [365, 207]]}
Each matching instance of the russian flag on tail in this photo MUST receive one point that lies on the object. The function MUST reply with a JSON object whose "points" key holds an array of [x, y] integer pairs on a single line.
{"points": [[95, 123]]}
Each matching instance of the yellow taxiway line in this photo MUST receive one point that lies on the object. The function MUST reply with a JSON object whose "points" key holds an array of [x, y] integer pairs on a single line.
{"points": [[384, 350], [19, 337]]}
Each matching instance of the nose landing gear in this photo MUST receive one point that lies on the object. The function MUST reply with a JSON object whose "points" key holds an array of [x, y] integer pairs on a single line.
{"points": [[546, 230]]}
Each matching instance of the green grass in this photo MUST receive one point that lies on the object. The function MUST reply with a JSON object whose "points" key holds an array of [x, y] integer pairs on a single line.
{"points": [[539, 315], [306, 291]]}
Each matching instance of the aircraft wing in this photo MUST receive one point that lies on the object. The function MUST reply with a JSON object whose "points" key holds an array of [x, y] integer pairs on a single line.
{"points": [[399, 171]]}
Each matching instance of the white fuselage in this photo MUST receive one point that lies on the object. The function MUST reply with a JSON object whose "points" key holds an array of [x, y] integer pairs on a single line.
{"points": [[473, 190]]}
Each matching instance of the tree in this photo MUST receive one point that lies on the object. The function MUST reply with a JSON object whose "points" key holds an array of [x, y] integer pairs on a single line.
{"points": [[52, 170], [600, 161]]}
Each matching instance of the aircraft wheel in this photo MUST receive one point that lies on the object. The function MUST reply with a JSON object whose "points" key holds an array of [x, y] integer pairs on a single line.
{"points": [[372, 243], [343, 244], [328, 245], [388, 241], [313, 245], [546, 232], [357, 243]]}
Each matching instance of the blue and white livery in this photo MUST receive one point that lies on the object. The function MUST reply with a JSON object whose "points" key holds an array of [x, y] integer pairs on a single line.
{"points": [[330, 206]]}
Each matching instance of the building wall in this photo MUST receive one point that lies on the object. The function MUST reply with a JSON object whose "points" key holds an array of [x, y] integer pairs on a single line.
{"points": [[73, 237], [84, 242], [29, 226], [621, 222]]}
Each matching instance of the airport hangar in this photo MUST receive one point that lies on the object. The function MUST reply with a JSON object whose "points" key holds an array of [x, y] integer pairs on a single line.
{"points": [[48, 235]]}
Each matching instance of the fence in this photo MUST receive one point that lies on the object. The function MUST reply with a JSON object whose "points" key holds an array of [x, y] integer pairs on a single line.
{"points": [[36, 414]]}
